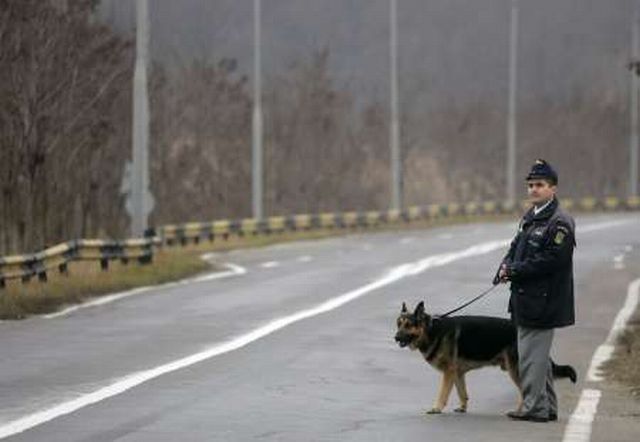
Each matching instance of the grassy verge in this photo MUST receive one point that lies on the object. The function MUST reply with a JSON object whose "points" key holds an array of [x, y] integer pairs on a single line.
{"points": [[624, 366], [86, 280]]}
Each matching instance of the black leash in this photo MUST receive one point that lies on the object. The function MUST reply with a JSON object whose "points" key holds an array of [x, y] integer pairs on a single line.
{"points": [[486, 292]]}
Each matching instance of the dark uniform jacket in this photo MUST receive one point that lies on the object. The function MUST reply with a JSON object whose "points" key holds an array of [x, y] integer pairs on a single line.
{"points": [[540, 268]]}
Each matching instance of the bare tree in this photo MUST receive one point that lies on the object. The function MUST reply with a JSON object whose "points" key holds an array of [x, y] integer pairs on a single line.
{"points": [[59, 75], [201, 117]]}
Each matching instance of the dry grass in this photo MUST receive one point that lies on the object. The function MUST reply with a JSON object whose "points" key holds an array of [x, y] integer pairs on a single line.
{"points": [[624, 366], [86, 280]]}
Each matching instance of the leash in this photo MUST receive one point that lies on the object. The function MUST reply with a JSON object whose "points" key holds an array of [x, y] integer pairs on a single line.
{"points": [[481, 295]]}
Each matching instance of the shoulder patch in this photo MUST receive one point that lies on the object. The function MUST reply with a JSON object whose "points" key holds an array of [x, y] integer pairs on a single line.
{"points": [[562, 232]]}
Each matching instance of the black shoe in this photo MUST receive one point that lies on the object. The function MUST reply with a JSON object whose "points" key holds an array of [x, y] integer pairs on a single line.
{"points": [[520, 416], [553, 417]]}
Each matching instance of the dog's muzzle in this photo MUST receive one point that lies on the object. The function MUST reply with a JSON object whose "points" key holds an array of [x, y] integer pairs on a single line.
{"points": [[402, 340]]}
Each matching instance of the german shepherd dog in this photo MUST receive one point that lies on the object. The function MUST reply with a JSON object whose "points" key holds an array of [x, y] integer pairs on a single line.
{"points": [[455, 345]]}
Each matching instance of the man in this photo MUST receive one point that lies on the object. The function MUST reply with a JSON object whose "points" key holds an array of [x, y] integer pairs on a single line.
{"points": [[539, 266]]}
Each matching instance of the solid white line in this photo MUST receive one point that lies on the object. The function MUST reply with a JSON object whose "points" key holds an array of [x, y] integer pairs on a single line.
{"points": [[604, 351], [234, 270], [625, 313], [135, 379], [100, 301], [305, 258], [602, 354], [408, 240], [579, 426]]}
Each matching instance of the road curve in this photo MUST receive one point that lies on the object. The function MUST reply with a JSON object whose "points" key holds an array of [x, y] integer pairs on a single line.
{"points": [[297, 346]]}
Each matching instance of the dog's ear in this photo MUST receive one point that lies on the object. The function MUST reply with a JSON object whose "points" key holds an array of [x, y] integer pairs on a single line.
{"points": [[404, 308], [419, 312]]}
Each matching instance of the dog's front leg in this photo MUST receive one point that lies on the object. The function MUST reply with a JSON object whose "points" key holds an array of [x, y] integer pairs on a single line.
{"points": [[461, 388], [445, 390]]}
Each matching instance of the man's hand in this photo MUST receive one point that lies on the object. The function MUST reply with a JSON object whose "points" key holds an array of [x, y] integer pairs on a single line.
{"points": [[503, 275]]}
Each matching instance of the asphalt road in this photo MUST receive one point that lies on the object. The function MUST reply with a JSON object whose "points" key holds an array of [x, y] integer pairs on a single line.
{"points": [[300, 346]]}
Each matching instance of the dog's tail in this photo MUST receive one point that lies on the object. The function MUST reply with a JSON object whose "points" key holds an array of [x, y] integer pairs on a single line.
{"points": [[564, 371]]}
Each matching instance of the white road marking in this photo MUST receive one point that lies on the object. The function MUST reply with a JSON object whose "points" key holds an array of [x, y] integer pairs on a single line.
{"points": [[579, 426], [620, 323], [234, 270], [604, 351], [103, 300], [367, 247], [408, 240], [628, 248], [600, 356], [209, 257], [618, 262], [305, 258], [128, 382], [445, 236], [270, 264]]}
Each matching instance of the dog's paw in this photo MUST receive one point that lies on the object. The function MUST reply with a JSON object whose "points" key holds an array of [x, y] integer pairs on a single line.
{"points": [[460, 410], [434, 410]]}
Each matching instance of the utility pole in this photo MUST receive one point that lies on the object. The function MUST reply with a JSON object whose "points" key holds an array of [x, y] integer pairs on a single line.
{"points": [[394, 141], [513, 88], [257, 151], [634, 67], [140, 202]]}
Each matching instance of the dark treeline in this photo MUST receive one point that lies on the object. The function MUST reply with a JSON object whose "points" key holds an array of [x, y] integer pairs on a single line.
{"points": [[65, 135]]}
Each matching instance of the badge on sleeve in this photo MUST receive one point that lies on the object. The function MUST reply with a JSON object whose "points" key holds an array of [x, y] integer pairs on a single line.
{"points": [[560, 235]]}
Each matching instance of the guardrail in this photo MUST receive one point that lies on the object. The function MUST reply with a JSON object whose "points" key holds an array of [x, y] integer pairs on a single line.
{"points": [[196, 232], [223, 229], [26, 267]]}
